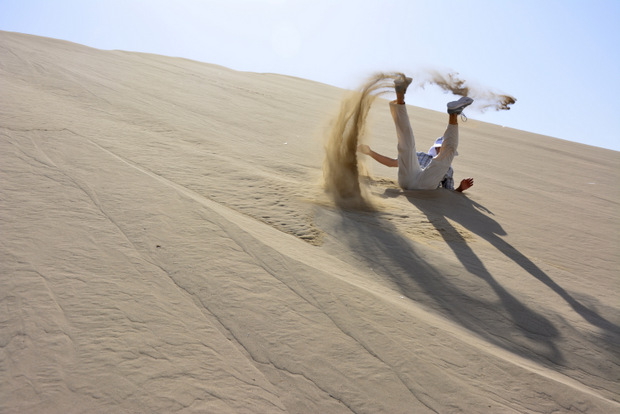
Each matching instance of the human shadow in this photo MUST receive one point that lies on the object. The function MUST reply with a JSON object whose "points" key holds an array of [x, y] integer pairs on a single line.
{"points": [[477, 219], [392, 256]]}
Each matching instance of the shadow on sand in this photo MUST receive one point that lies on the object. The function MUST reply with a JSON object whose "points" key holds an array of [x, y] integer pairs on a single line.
{"points": [[496, 314], [477, 219]]}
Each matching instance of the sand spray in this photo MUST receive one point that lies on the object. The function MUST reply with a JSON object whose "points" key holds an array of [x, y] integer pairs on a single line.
{"points": [[341, 169]]}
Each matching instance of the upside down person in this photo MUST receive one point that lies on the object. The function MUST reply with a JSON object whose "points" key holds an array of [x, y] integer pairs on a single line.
{"points": [[420, 170]]}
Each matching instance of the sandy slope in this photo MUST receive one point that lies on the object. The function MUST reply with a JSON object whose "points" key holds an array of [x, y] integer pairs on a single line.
{"points": [[165, 247]]}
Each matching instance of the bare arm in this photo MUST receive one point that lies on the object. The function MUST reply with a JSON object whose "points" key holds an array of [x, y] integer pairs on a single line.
{"points": [[382, 159]]}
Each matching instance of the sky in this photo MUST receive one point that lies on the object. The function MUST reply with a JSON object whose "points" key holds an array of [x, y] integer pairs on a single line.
{"points": [[560, 59]]}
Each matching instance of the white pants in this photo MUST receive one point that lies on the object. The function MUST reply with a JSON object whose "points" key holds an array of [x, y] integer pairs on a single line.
{"points": [[410, 175]]}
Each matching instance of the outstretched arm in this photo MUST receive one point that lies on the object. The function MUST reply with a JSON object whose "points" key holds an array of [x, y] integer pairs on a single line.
{"points": [[465, 184], [387, 161]]}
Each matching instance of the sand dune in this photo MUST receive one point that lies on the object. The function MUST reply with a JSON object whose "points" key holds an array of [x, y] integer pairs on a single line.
{"points": [[166, 246]]}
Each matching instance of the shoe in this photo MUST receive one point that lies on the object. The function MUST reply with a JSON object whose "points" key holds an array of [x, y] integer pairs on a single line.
{"points": [[401, 84], [456, 107]]}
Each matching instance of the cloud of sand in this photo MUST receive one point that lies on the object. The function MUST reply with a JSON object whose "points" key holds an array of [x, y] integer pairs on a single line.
{"points": [[341, 169], [451, 82]]}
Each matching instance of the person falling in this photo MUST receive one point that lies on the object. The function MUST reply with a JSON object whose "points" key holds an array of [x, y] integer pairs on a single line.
{"points": [[420, 170]]}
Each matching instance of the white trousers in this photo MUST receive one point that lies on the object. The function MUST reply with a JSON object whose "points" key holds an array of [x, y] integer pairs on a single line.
{"points": [[410, 175]]}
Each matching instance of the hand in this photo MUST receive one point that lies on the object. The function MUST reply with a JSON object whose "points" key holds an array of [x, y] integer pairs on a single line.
{"points": [[364, 149], [465, 184]]}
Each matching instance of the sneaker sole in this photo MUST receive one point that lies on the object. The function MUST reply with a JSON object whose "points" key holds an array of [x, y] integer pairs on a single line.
{"points": [[401, 86], [461, 103], [458, 106]]}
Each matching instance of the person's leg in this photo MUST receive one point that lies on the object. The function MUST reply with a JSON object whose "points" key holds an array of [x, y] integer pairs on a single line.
{"points": [[450, 139], [408, 165], [451, 136], [436, 170]]}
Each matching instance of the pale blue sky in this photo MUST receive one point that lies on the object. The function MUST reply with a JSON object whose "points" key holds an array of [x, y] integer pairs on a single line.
{"points": [[560, 59]]}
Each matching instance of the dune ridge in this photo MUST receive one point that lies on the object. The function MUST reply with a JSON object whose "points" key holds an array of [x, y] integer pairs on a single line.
{"points": [[166, 246]]}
